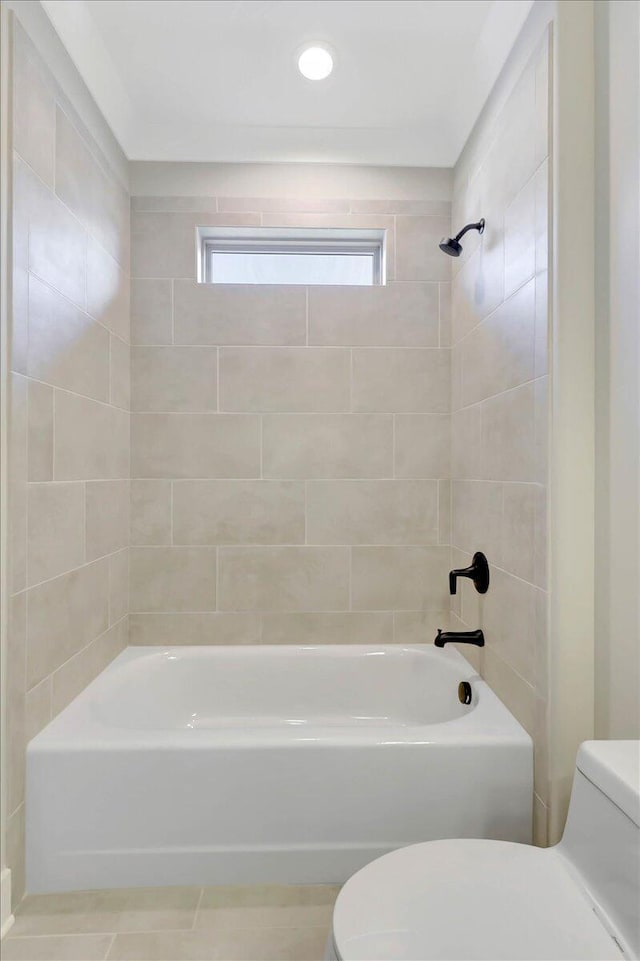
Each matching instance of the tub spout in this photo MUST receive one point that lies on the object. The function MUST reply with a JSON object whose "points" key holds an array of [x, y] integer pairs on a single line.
{"points": [[459, 637]]}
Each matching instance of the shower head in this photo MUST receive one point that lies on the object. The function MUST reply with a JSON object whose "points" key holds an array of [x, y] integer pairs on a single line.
{"points": [[452, 245]]}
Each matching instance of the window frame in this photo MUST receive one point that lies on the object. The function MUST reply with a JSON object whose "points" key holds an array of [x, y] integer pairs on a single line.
{"points": [[295, 240]]}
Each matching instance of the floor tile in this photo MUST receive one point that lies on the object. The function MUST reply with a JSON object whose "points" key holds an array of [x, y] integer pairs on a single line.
{"points": [[82, 912], [69, 947], [270, 906], [275, 944]]}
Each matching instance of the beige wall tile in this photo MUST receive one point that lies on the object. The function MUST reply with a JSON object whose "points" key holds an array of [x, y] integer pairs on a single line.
{"points": [[65, 614], [296, 379], [91, 439], [508, 435], [118, 585], [112, 217], [150, 512], [284, 578], [55, 530], [176, 627], [511, 157], [499, 353], [107, 291], [57, 242], [163, 244], [238, 512], [444, 314], [541, 418], [195, 445], [327, 445], [542, 191], [416, 208], [541, 749], [422, 445], [403, 380], [399, 578], [513, 690], [419, 627], [518, 530], [314, 628], [237, 314], [286, 205], [508, 613], [542, 101], [76, 673], [478, 288], [151, 311], [541, 536], [418, 256], [40, 440], [75, 170], [15, 702], [540, 823], [21, 196], [394, 315], [477, 518], [156, 253], [107, 517], [174, 378], [444, 511], [173, 579], [542, 325], [18, 436], [66, 348], [33, 116], [372, 512], [520, 238], [37, 708], [16, 853], [119, 373], [466, 443]]}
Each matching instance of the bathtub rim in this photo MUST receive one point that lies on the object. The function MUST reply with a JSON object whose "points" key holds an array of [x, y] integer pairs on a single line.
{"points": [[78, 728]]}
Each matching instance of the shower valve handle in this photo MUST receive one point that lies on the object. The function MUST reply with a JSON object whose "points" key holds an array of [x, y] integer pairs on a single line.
{"points": [[478, 572]]}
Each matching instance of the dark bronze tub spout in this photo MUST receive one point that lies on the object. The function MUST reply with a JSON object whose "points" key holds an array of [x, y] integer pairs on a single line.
{"points": [[459, 637]]}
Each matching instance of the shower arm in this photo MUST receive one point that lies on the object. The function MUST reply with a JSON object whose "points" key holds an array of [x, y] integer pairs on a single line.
{"points": [[479, 227]]}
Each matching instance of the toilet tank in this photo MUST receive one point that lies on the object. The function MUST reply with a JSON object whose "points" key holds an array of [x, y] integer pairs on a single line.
{"points": [[602, 835]]}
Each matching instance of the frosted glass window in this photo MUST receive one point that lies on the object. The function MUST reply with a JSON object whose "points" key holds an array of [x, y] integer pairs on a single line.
{"points": [[292, 256]]}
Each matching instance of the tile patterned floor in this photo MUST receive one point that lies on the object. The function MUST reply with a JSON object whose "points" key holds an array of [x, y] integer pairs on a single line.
{"points": [[270, 923]]}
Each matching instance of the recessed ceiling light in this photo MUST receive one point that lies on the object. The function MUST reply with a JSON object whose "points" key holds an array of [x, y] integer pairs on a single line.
{"points": [[315, 63]]}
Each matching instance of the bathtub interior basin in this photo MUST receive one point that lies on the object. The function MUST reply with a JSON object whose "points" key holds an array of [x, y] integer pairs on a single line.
{"points": [[278, 687]]}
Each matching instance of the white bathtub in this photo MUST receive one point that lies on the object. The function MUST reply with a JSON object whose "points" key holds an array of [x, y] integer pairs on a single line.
{"points": [[218, 765]]}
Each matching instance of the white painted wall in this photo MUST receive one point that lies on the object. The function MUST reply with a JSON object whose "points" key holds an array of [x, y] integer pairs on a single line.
{"points": [[617, 678], [572, 415]]}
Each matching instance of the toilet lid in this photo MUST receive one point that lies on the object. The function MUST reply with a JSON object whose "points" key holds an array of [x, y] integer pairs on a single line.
{"points": [[468, 899]]}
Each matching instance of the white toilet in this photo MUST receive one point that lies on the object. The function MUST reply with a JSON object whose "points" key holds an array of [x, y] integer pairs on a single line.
{"points": [[478, 899]]}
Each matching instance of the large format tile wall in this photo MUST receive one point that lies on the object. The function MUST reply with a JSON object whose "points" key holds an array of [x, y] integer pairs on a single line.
{"points": [[499, 399], [69, 419], [290, 445]]}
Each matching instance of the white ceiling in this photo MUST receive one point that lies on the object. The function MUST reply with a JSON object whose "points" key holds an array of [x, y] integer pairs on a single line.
{"points": [[216, 80]]}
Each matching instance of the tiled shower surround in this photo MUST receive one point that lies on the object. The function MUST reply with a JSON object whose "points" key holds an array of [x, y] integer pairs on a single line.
{"points": [[289, 445], [301, 465], [69, 418], [500, 378]]}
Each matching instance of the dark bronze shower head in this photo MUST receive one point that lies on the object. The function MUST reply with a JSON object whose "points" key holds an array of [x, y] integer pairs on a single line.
{"points": [[452, 245]]}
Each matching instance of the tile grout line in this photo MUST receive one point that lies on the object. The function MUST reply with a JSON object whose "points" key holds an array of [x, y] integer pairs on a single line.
{"points": [[195, 913]]}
